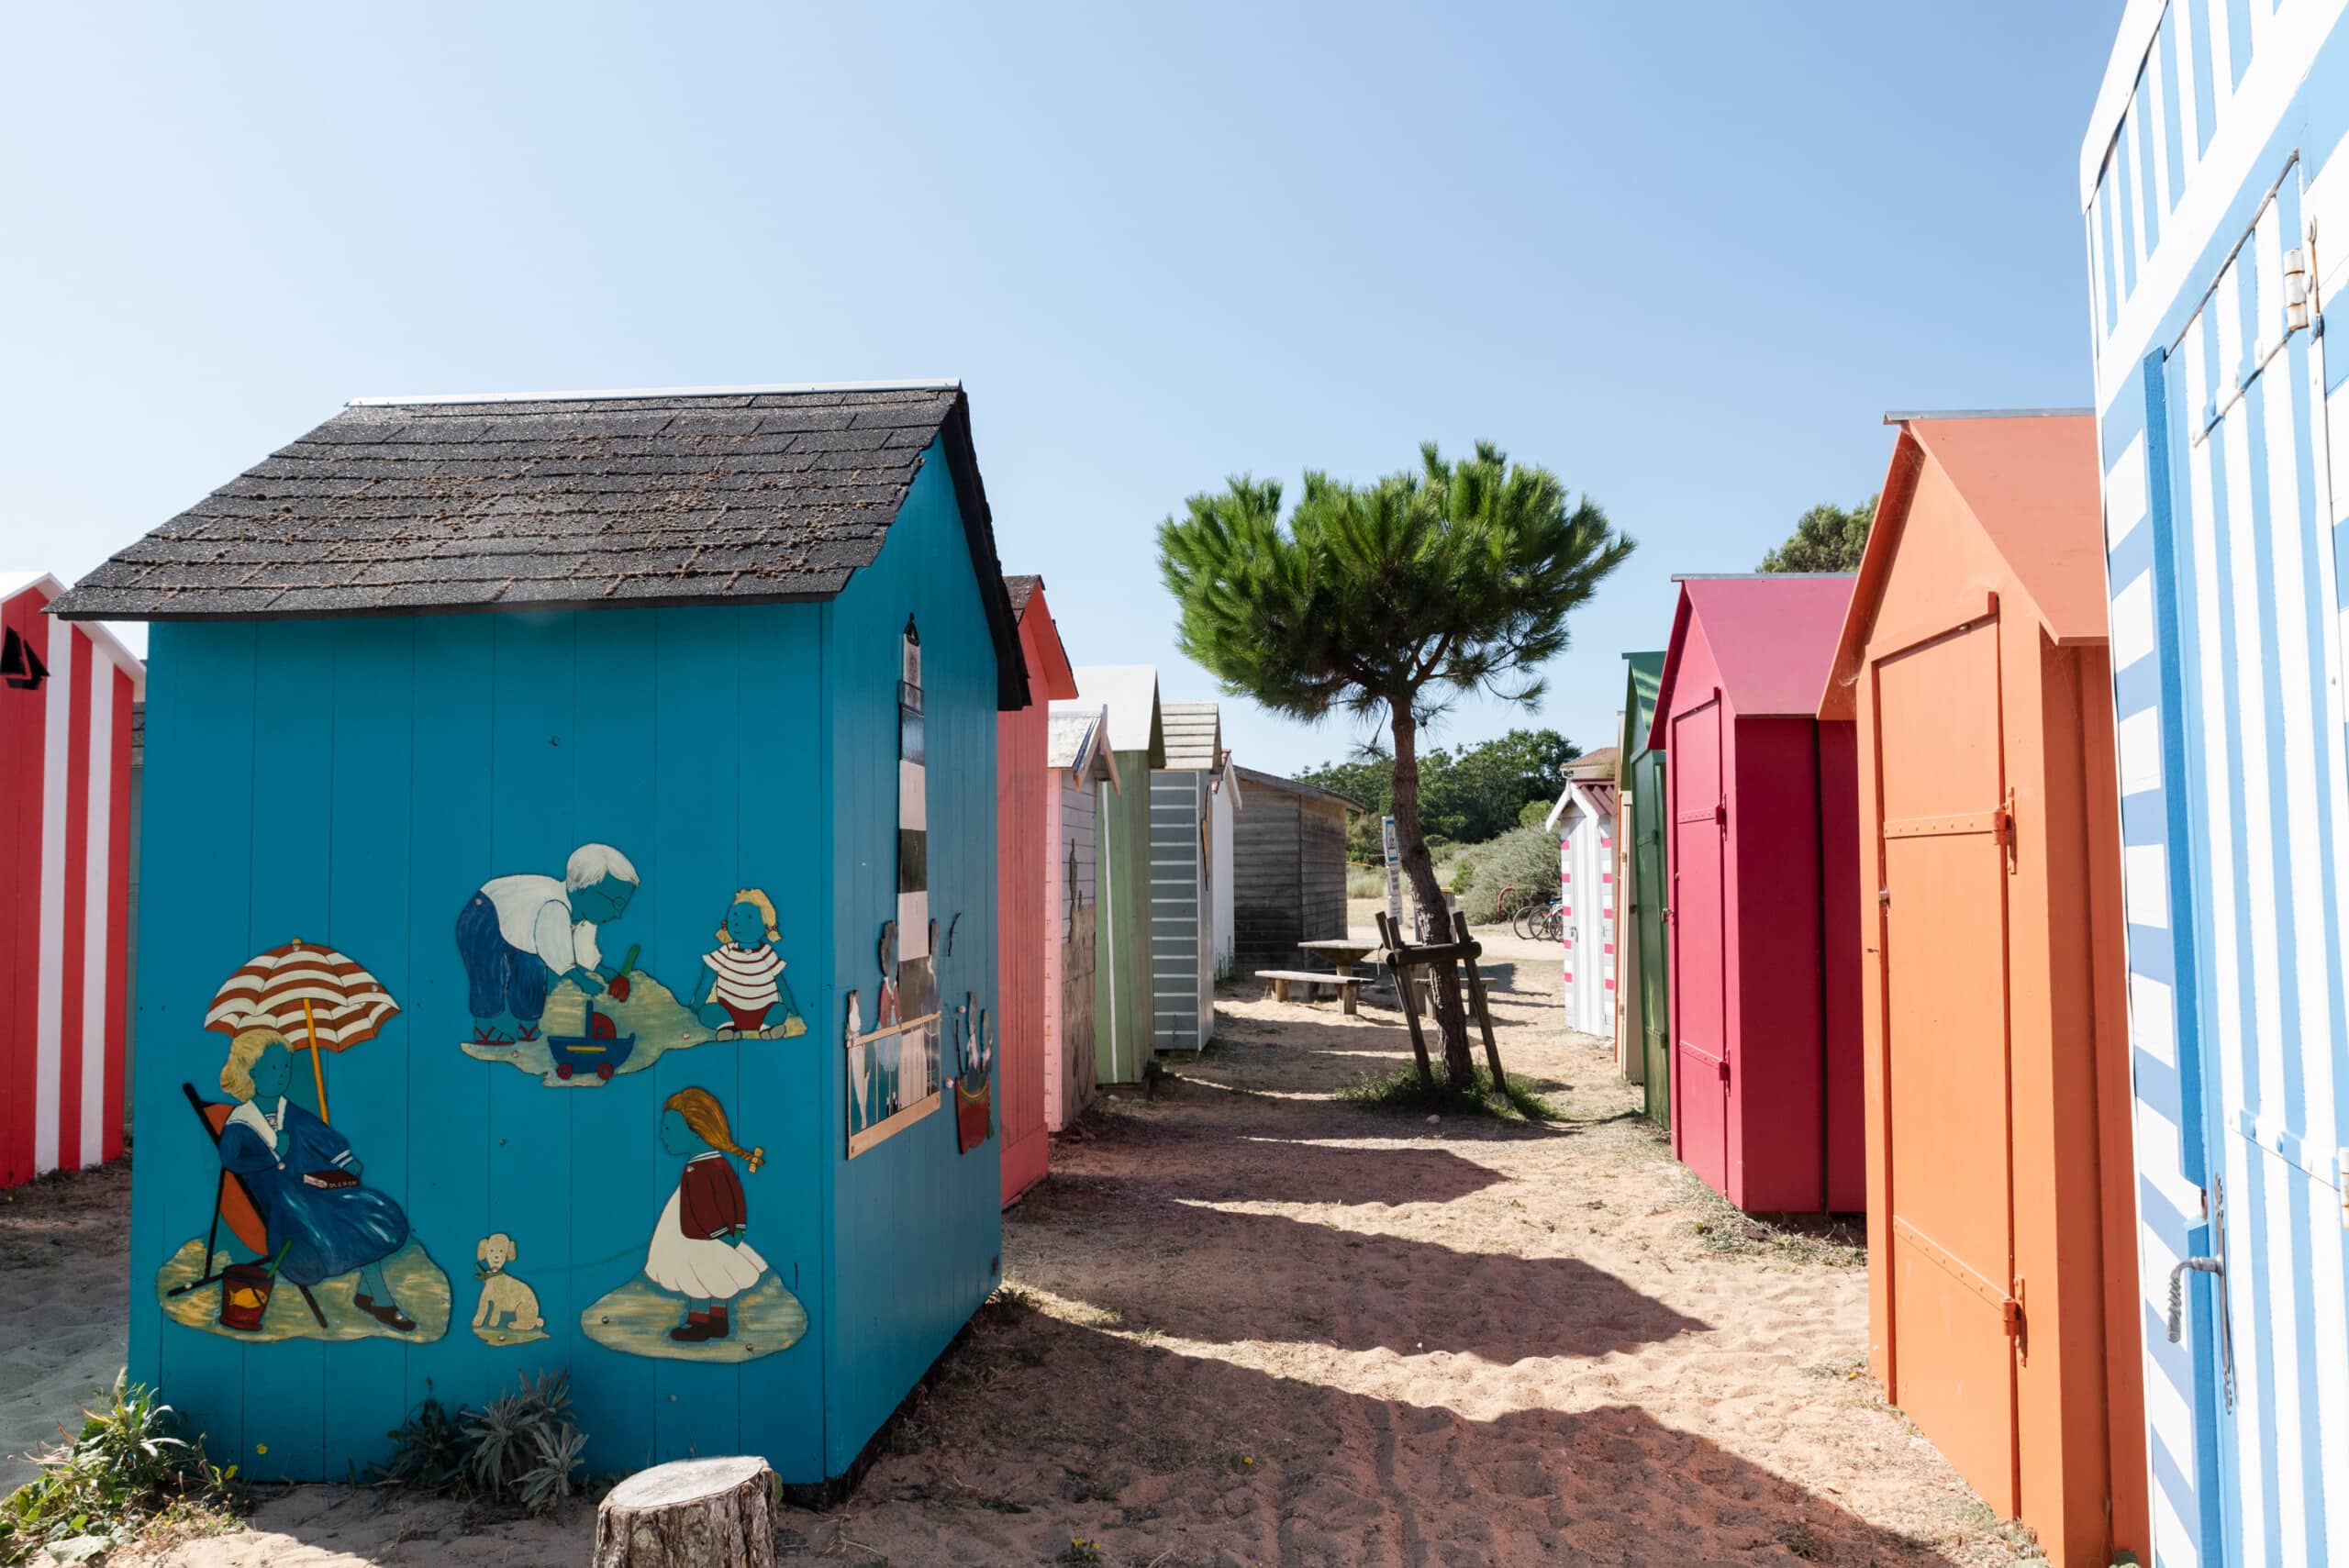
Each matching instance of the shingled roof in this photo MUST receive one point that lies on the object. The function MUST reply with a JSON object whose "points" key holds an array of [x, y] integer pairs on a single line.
{"points": [[1021, 586], [398, 507]]}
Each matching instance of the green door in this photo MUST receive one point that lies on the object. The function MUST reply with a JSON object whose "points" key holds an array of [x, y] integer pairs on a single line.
{"points": [[1649, 891]]}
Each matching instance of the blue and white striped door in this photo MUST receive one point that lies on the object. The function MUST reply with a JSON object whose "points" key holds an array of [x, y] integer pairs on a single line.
{"points": [[2226, 651]]}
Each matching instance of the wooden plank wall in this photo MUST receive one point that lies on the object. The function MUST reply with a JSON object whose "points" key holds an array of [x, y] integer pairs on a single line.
{"points": [[1289, 877], [354, 782], [1070, 896], [917, 1224], [1022, 848], [1176, 941]]}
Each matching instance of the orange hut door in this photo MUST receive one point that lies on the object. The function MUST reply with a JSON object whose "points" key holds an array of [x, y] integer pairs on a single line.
{"points": [[1943, 830]]}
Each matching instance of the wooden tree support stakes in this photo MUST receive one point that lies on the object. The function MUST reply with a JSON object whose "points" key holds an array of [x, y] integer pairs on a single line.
{"points": [[1464, 950], [695, 1513], [1483, 1011], [1408, 994]]}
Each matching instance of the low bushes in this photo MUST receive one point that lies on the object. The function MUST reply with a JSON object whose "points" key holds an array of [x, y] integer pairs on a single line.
{"points": [[126, 1472], [1523, 858]]}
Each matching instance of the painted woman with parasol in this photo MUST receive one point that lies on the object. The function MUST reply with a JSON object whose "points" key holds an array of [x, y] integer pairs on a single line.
{"points": [[304, 1177], [323, 1221]]}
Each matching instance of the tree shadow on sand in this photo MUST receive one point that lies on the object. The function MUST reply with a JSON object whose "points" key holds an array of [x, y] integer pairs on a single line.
{"points": [[1268, 1277], [1041, 1429]]}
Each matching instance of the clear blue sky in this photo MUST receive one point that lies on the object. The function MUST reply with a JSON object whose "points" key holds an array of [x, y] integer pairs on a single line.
{"points": [[1684, 255]]}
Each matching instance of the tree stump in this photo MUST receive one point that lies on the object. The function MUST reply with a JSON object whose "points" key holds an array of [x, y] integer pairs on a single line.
{"points": [[696, 1513]]}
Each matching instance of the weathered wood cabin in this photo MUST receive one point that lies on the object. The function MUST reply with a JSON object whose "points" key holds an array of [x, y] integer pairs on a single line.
{"points": [[1288, 869]]}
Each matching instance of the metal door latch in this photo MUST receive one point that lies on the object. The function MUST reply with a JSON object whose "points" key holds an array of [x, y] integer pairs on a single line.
{"points": [[2178, 1291]]}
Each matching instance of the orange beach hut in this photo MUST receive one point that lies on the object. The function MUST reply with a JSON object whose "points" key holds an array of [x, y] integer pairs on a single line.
{"points": [[2002, 1308]]}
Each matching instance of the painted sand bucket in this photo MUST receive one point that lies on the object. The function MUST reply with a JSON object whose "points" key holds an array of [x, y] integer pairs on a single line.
{"points": [[244, 1295]]}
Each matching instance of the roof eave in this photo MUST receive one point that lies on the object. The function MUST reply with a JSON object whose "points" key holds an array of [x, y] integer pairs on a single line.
{"points": [[1671, 676]]}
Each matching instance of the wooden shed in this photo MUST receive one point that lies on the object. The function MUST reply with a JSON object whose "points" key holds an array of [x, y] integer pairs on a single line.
{"points": [[1288, 869], [1585, 821], [1760, 799], [1644, 992], [1123, 978], [1029, 918], [2222, 414], [571, 922], [1182, 877], [1083, 769], [67, 693], [1973, 660]]}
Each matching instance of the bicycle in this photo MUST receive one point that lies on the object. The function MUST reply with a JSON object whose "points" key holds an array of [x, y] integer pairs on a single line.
{"points": [[1540, 922]]}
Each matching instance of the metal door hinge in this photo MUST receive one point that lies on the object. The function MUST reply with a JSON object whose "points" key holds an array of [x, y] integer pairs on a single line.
{"points": [[1724, 1072], [2002, 828], [2010, 1317], [1720, 814], [2341, 1185], [2295, 289], [1884, 896]]}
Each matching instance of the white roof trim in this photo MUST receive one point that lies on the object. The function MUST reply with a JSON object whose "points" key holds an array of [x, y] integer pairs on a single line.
{"points": [[1574, 792], [102, 636], [624, 394]]}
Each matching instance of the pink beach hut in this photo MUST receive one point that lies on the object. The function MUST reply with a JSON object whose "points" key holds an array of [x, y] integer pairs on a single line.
{"points": [[1024, 842], [1761, 802], [67, 692]]}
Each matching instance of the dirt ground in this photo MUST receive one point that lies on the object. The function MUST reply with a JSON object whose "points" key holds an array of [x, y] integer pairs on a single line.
{"points": [[64, 1254], [1251, 1323]]}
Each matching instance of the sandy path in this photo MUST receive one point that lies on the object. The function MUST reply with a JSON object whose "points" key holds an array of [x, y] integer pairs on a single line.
{"points": [[65, 1312], [1257, 1325]]}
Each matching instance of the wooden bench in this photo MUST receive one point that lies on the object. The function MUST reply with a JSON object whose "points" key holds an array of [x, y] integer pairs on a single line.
{"points": [[1347, 986]]}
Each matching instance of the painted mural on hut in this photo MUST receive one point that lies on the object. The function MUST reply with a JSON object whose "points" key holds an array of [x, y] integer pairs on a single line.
{"points": [[543, 998], [894, 1068], [292, 1207], [508, 1310], [704, 1292]]}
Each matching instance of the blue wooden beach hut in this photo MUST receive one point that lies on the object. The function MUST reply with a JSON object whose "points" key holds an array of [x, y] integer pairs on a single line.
{"points": [[569, 940], [2216, 199]]}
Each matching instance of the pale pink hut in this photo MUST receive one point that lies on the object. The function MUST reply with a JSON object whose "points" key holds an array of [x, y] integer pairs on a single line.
{"points": [[1083, 767]]}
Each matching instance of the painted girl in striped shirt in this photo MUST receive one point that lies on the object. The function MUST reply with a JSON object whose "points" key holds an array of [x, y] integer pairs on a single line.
{"points": [[741, 985]]}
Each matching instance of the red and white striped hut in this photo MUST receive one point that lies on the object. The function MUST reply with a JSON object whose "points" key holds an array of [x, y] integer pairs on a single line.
{"points": [[66, 696], [1584, 821]]}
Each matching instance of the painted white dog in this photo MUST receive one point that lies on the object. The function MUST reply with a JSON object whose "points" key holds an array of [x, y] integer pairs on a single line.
{"points": [[506, 1302]]}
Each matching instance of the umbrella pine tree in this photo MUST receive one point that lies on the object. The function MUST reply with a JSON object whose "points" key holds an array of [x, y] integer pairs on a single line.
{"points": [[1389, 600]]}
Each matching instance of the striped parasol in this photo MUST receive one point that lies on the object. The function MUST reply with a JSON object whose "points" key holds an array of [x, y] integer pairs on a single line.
{"points": [[319, 999]]}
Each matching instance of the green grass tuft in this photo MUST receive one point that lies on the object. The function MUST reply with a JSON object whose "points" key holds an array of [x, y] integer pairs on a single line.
{"points": [[1401, 1093]]}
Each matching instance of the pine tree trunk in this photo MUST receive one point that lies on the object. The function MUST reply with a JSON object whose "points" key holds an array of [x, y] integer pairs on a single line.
{"points": [[1452, 1019], [695, 1513]]}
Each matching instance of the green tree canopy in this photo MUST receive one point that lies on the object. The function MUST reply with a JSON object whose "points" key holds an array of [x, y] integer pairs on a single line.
{"points": [[1828, 538], [1389, 600], [1468, 796]]}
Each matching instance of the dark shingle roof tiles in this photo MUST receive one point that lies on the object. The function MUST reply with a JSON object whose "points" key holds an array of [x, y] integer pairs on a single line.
{"points": [[565, 502]]}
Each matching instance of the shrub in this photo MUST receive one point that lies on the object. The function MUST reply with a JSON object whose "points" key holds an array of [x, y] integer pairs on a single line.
{"points": [[1533, 813], [127, 1467], [1522, 858], [1464, 873], [520, 1447]]}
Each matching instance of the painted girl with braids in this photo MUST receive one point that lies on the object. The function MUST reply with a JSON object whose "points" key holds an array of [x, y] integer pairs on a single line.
{"points": [[697, 1249]]}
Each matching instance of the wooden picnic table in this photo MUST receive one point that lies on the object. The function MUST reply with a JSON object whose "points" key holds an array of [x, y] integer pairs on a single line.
{"points": [[1341, 953]]}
